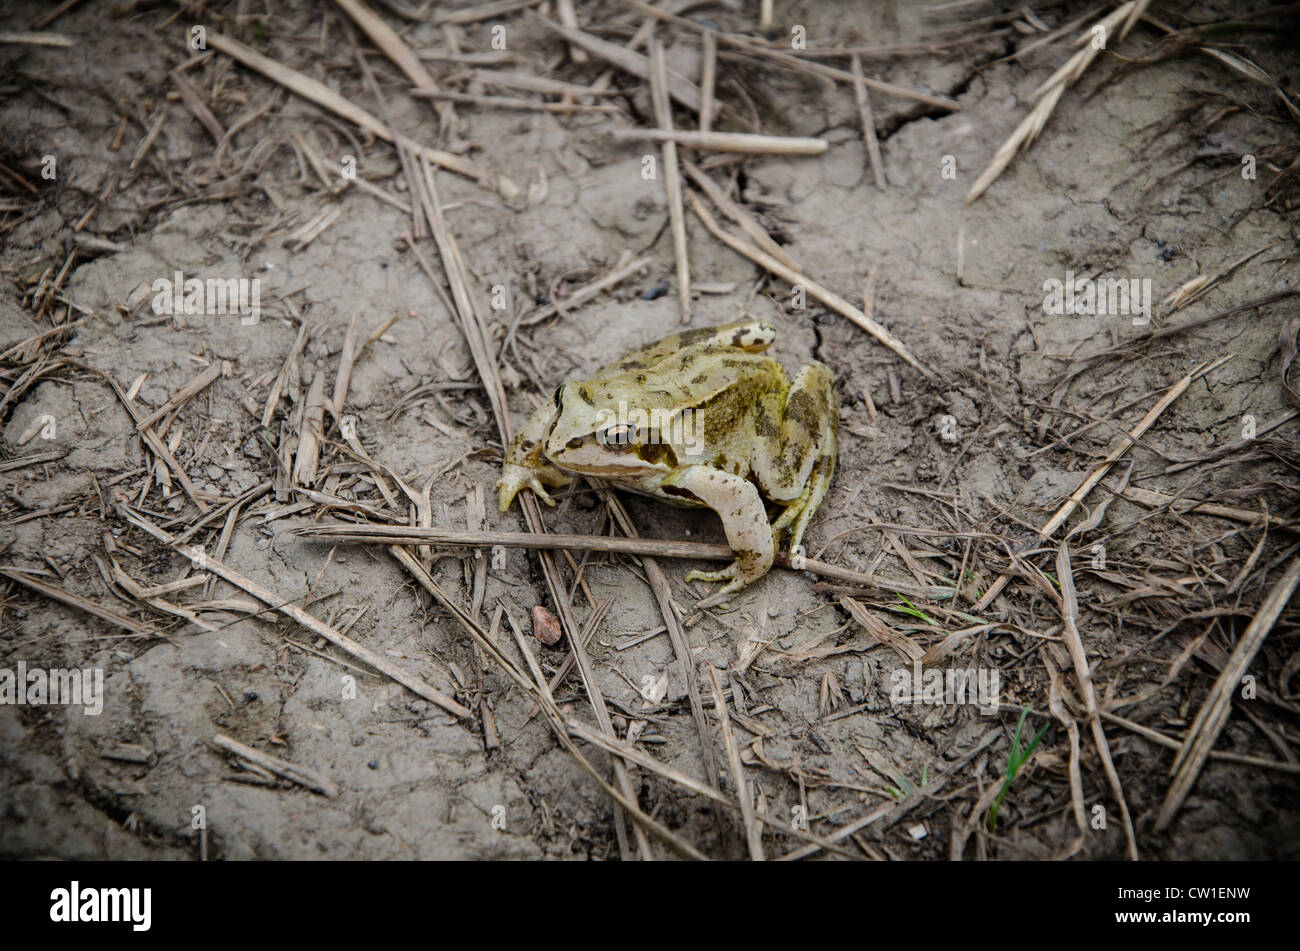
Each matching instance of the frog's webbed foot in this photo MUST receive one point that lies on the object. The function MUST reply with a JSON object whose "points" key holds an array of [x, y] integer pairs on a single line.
{"points": [[744, 518], [515, 477], [735, 575]]}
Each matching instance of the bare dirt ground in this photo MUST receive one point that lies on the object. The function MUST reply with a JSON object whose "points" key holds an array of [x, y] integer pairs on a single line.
{"points": [[127, 156]]}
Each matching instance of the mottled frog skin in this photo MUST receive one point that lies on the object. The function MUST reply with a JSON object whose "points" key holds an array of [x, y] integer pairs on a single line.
{"points": [[697, 419]]}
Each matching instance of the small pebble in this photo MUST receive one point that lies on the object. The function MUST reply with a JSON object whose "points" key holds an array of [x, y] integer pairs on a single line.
{"points": [[546, 626]]}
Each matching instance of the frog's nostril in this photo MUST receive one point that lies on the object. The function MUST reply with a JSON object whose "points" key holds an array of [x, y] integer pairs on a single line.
{"points": [[575, 442]]}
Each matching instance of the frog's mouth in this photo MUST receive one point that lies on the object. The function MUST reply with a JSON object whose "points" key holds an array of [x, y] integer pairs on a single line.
{"points": [[590, 458]]}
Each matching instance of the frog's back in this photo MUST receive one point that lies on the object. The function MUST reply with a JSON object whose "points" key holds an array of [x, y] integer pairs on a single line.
{"points": [[749, 335]]}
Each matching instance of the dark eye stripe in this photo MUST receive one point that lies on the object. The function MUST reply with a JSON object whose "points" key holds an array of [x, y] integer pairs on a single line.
{"points": [[618, 437]]}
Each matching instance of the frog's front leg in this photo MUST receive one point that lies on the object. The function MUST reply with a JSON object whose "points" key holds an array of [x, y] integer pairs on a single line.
{"points": [[525, 466], [744, 519], [795, 457]]}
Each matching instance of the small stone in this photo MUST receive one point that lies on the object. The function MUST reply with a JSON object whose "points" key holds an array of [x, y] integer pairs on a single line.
{"points": [[546, 627]]}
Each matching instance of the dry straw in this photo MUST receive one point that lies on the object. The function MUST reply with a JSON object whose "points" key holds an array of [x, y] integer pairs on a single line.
{"points": [[1048, 95]]}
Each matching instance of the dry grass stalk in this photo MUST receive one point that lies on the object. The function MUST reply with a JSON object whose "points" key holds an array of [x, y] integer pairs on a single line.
{"points": [[1219, 756], [308, 778], [158, 447], [36, 39], [286, 607], [891, 812], [566, 666], [1074, 643], [708, 80], [1021, 138], [754, 48], [314, 228], [186, 393], [54, 14], [740, 143], [34, 459], [962, 833], [904, 646], [490, 376], [56, 593], [344, 375], [1197, 287], [311, 431], [868, 124], [137, 591], [1152, 499], [537, 689], [485, 11], [564, 10], [743, 219], [322, 95], [831, 300], [1213, 714], [273, 398], [753, 832], [1164, 333], [392, 45], [680, 88], [1077, 806], [676, 634], [645, 547], [1076, 498], [196, 526], [540, 84], [193, 100], [454, 266], [147, 142], [1048, 95], [586, 292], [672, 176], [1121, 447], [508, 102]]}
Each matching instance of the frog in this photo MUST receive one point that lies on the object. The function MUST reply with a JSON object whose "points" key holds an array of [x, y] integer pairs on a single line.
{"points": [[699, 419]]}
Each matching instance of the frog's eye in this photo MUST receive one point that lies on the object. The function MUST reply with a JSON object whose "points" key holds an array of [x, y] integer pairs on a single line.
{"points": [[618, 436], [559, 390]]}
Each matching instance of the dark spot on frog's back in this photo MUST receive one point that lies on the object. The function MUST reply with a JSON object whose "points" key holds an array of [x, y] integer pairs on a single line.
{"points": [[658, 453], [753, 335], [763, 423], [802, 407], [700, 378], [586, 396]]}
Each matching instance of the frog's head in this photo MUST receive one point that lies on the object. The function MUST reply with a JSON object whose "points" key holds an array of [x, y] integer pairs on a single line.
{"points": [[595, 433]]}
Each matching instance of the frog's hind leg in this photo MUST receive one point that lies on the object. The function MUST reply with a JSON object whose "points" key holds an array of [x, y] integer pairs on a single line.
{"points": [[795, 460], [744, 519]]}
